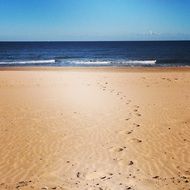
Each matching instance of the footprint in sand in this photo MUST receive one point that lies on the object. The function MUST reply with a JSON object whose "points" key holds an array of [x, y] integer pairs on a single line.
{"points": [[129, 132], [125, 132], [95, 175], [135, 140], [136, 125], [116, 149], [131, 163]]}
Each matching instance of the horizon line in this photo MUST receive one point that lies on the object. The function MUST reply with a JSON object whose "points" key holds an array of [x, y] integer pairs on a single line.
{"points": [[91, 40]]}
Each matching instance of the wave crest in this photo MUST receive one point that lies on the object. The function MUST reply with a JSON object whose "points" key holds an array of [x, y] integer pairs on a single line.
{"points": [[27, 62], [110, 62]]}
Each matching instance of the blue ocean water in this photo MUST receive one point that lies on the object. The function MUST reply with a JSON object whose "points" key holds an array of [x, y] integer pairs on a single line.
{"points": [[126, 53]]}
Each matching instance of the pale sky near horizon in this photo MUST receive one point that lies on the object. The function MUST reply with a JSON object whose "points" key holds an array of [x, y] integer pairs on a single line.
{"points": [[38, 20]]}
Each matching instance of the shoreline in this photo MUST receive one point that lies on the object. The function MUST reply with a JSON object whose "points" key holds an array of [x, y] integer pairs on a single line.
{"points": [[98, 69]]}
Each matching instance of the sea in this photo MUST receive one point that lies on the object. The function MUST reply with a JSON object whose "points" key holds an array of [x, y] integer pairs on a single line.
{"points": [[109, 53]]}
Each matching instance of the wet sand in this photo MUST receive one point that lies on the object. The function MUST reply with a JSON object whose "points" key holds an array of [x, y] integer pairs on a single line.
{"points": [[95, 128]]}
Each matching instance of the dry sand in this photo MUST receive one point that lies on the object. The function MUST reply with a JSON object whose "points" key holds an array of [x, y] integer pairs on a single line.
{"points": [[98, 129]]}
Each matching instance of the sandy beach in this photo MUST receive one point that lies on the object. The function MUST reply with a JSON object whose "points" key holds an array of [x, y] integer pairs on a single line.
{"points": [[95, 128]]}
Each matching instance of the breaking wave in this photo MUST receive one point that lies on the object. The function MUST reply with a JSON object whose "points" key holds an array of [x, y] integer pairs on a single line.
{"points": [[108, 62], [30, 62]]}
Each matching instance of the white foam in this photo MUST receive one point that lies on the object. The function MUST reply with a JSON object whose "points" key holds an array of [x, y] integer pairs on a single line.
{"points": [[27, 62], [113, 62], [139, 62], [90, 62]]}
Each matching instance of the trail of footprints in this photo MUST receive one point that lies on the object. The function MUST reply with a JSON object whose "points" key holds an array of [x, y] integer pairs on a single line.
{"points": [[179, 179], [135, 113]]}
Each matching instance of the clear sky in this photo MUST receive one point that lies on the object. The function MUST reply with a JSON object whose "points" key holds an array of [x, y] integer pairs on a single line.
{"points": [[94, 20]]}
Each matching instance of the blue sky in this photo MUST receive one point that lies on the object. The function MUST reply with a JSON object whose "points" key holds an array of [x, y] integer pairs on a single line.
{"points": [[94, 20]]}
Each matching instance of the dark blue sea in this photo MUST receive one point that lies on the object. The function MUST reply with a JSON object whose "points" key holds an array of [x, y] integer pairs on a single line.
{"points": [[126, 53]]}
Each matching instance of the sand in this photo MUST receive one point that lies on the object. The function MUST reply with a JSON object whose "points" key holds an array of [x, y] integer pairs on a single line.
{"points": [[95, 128]]}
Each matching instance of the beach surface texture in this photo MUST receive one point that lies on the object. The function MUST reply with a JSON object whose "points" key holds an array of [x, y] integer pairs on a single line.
{"points": [[95, 128]]}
